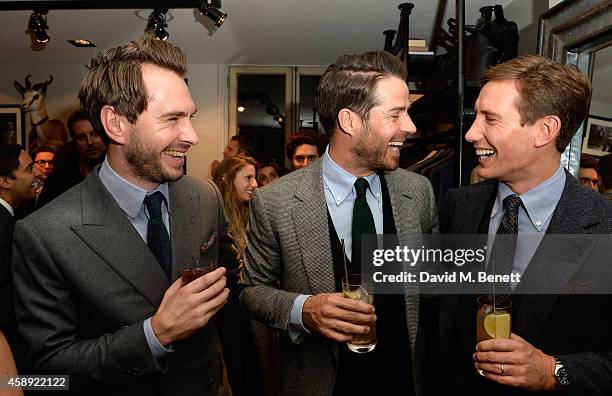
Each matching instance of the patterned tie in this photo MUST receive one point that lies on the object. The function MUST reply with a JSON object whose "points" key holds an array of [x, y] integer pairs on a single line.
{"points": [[504, 247], [363, 223], [158, 239]]}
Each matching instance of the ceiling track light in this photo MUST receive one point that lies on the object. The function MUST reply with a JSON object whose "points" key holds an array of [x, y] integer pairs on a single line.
{"points": [[156, 24], [210, 9], [38, 26]]}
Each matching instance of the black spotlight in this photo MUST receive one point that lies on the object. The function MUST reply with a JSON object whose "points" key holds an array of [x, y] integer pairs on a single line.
{"points": [[157, 24], [210, 9], [38, 25]]}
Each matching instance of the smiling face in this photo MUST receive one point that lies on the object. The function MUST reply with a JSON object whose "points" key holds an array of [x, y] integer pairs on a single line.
{"points": [[506, 149], [155, 148], [385, 130], [245, 182]]}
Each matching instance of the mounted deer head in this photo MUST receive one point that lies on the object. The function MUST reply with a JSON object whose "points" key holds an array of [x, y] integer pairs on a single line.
{"points": [[33, 95]]}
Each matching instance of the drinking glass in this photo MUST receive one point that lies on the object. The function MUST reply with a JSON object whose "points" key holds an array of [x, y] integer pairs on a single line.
{"points": [[193, 269], [360, 287], [494, 318]]}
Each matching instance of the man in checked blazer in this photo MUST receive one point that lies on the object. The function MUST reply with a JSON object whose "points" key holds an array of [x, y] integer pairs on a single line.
{"points": [[294, 260], [92, 299], [527, 112]]}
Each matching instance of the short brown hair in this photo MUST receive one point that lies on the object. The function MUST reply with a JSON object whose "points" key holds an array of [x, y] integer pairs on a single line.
{"points": [[114, 78], [303, 136], [546, 88], [350, 83]]}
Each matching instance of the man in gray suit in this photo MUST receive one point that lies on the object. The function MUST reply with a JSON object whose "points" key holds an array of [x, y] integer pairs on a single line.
{"points": [[97, 294], [294, 259]]}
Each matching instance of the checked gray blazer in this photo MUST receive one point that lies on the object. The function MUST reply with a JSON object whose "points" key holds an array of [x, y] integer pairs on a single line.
{"points": [[289, 253]]}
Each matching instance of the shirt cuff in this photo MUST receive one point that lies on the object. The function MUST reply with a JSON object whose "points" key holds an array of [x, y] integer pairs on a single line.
{"points": [[295, 321], [157, 349]]}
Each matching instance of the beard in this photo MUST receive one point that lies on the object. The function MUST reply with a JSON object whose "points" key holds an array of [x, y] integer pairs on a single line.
{"points": [[370, 151], [145, 163]]}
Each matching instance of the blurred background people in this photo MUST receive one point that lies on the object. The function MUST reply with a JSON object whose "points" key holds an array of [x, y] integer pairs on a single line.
{"points": [[44, 161], [16, 190], [589, 173], [236, 178], [303, 148], [268, 172], [237, 145], [89, 151]]}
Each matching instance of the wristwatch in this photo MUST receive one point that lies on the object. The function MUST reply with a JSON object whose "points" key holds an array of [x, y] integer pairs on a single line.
{"points": [[560, 373]]}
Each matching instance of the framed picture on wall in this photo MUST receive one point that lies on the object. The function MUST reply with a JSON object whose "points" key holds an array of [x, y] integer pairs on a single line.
{"points": [[598, 138], [12, 122]]}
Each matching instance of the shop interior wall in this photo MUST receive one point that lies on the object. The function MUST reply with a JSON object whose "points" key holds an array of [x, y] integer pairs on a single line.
{"points": [[207, 84]]}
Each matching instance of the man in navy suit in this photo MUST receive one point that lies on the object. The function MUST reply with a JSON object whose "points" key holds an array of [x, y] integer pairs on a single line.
{"points": [[527, 112]]}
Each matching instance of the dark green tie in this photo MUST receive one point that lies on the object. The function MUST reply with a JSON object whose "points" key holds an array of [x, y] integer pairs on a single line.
{"points": [[363, 224]]}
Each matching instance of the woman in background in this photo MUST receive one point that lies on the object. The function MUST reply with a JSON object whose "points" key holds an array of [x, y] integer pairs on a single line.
{"points": [[236, 179]]}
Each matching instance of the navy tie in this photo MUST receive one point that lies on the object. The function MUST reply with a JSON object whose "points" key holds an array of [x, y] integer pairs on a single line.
{"points": [[363, 223], [504, 246], [158, 239]]}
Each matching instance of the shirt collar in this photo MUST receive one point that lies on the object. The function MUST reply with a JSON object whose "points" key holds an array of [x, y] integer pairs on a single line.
{"points": [[129, 196], [7, 206], [341, 183], [539, 202]]}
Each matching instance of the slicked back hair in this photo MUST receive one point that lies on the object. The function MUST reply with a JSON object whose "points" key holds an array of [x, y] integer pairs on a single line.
{"points": [[114, 78], [546, 88], [351, 83]]}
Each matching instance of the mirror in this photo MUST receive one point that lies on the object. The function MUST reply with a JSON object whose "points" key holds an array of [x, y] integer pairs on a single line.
{"points": [[572, 33]]}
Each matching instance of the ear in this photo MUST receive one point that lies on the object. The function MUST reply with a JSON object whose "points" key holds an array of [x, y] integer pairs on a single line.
{"points": [[548, 128], [115, 125], [5, 182], [348, 121]]}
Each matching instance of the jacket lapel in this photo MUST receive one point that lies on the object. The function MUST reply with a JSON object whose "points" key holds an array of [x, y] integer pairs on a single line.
{"points": [[407, 224], [109, 233], [310, 218], [184, 227]]}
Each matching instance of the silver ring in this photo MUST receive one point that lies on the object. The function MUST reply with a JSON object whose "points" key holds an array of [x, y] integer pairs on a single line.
{"points": [[502, 369]]}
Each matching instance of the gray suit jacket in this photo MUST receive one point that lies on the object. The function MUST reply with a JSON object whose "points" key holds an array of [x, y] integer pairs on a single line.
{"points": [[85, 282], [289, 253]]}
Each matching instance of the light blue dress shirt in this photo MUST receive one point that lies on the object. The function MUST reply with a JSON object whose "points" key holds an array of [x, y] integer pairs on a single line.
{"points": [[130, 199], [534, 216], [339, 189]]}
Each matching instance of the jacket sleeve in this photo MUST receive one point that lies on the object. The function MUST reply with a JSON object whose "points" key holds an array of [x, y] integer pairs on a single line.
{"points": [[261, 295]]}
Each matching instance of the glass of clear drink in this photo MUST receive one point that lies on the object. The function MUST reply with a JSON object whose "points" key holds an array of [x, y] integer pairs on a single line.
{"points": [[361, 287], [494, 317]]}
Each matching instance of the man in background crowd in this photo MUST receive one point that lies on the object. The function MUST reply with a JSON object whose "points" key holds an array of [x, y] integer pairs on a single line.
{"points": [[44, 161], [303, 148], [589, 174], [16, 177], [237, 145], [89, 152]]}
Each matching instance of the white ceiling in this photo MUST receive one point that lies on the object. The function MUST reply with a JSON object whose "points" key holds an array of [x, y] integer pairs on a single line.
{"points": [[255, 32]]}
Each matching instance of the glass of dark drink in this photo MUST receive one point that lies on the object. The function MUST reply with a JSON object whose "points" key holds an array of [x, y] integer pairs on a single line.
{"points": [[194, 269]]}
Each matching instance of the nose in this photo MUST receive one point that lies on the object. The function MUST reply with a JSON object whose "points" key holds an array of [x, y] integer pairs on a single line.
{"points": [[189, 134], [254, 183], [90, 140], [473, 134], [407, 125]]}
